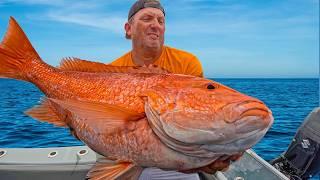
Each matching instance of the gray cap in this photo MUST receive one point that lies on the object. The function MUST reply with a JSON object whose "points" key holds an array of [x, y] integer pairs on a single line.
{"points": [[140, 4]]}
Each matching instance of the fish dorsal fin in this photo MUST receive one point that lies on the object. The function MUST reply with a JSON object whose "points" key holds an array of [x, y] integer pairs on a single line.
{"points": [[76, 64], [46, 112], [106, 169]]}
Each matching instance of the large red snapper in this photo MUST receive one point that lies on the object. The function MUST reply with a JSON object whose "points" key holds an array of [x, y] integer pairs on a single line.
{"points": [[138, 117]]}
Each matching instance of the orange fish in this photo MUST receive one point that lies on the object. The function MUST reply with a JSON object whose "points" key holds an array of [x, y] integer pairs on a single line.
{"points": [[137, 117]]}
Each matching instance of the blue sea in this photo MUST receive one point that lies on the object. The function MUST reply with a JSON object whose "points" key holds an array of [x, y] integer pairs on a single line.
{"points": [[290, 100]]}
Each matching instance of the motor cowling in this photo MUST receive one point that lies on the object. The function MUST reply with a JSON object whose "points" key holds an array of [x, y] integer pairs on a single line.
{"points": [[302, 158]]}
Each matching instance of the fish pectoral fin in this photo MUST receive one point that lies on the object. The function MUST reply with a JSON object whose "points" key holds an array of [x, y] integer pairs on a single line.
{"points": [[101, 110], [106, 169], [76, 64], [46, 112], [104, 118]]}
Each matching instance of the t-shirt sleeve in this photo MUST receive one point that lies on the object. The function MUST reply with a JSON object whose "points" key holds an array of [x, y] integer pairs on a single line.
{"points": [[124, 60], [194, 67]]}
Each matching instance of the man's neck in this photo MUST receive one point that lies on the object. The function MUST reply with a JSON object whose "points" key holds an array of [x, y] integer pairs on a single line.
{"points": [[146, 57]]}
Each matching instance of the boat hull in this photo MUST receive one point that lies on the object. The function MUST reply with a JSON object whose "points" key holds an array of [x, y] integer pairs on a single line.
{"points": [[73, 163]]}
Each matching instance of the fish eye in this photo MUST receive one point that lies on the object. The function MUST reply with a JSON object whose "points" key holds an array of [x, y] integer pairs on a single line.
{"points": [[210, 86]]}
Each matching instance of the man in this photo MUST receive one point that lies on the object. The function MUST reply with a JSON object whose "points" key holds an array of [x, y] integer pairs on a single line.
{"points": [[145, 28]]}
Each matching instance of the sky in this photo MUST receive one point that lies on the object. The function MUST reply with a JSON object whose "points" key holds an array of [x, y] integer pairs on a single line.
{"points": [[231, 38]]}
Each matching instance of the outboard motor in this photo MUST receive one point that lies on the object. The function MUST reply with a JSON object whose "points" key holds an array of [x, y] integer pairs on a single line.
{"points": [[302, 159]]}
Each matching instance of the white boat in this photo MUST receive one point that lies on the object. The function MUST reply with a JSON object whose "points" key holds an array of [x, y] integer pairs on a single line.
{"points": [[73, 163]]}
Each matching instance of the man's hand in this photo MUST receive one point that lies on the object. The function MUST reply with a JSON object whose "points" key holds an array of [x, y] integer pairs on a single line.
{"points": [[221, 164]]}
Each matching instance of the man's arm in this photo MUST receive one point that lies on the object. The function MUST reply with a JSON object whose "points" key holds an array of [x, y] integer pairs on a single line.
{"points": [[218, 165]]}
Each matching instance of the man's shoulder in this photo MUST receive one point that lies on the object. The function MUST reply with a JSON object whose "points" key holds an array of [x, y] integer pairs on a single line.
{"points": [[181, 56], [179, 52], [185, 62], [123, 60]]}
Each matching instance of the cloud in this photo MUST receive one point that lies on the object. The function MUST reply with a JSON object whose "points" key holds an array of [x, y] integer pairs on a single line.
{"points": [[113, 24], [38, 2], [283, 34], [213, 17], [66, 3], [276, 21], [94, 13]]}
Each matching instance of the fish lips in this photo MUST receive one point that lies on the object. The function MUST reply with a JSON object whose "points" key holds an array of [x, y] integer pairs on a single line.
{"points": [[237, 110], [248, 116]]}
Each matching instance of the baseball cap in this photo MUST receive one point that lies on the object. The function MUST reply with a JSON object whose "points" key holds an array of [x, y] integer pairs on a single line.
{"points": [[140, 4]]}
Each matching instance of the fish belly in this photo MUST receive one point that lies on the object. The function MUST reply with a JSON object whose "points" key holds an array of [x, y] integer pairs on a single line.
{"points": [[137, 143]]}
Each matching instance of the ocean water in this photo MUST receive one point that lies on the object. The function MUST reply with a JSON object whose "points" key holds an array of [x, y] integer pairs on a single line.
{"points": [[290, 100]]}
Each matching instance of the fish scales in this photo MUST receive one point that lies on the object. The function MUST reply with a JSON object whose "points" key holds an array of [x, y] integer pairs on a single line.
{"points": [[111, 88]]}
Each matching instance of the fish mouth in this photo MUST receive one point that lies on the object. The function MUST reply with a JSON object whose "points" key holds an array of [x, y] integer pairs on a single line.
{"points": [[248, 108], [254, 115], [255, 112], [248, 115], [252, 108]]}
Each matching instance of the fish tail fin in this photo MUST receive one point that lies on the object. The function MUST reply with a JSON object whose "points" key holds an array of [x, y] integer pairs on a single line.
{"points": [[16, 52]]}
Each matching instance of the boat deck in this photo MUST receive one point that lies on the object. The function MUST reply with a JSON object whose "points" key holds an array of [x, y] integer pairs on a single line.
{"points": [[74, 162]]}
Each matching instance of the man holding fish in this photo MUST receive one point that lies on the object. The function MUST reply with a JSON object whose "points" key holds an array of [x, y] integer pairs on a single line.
{"points": [[146, 28], [140, 117]]}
